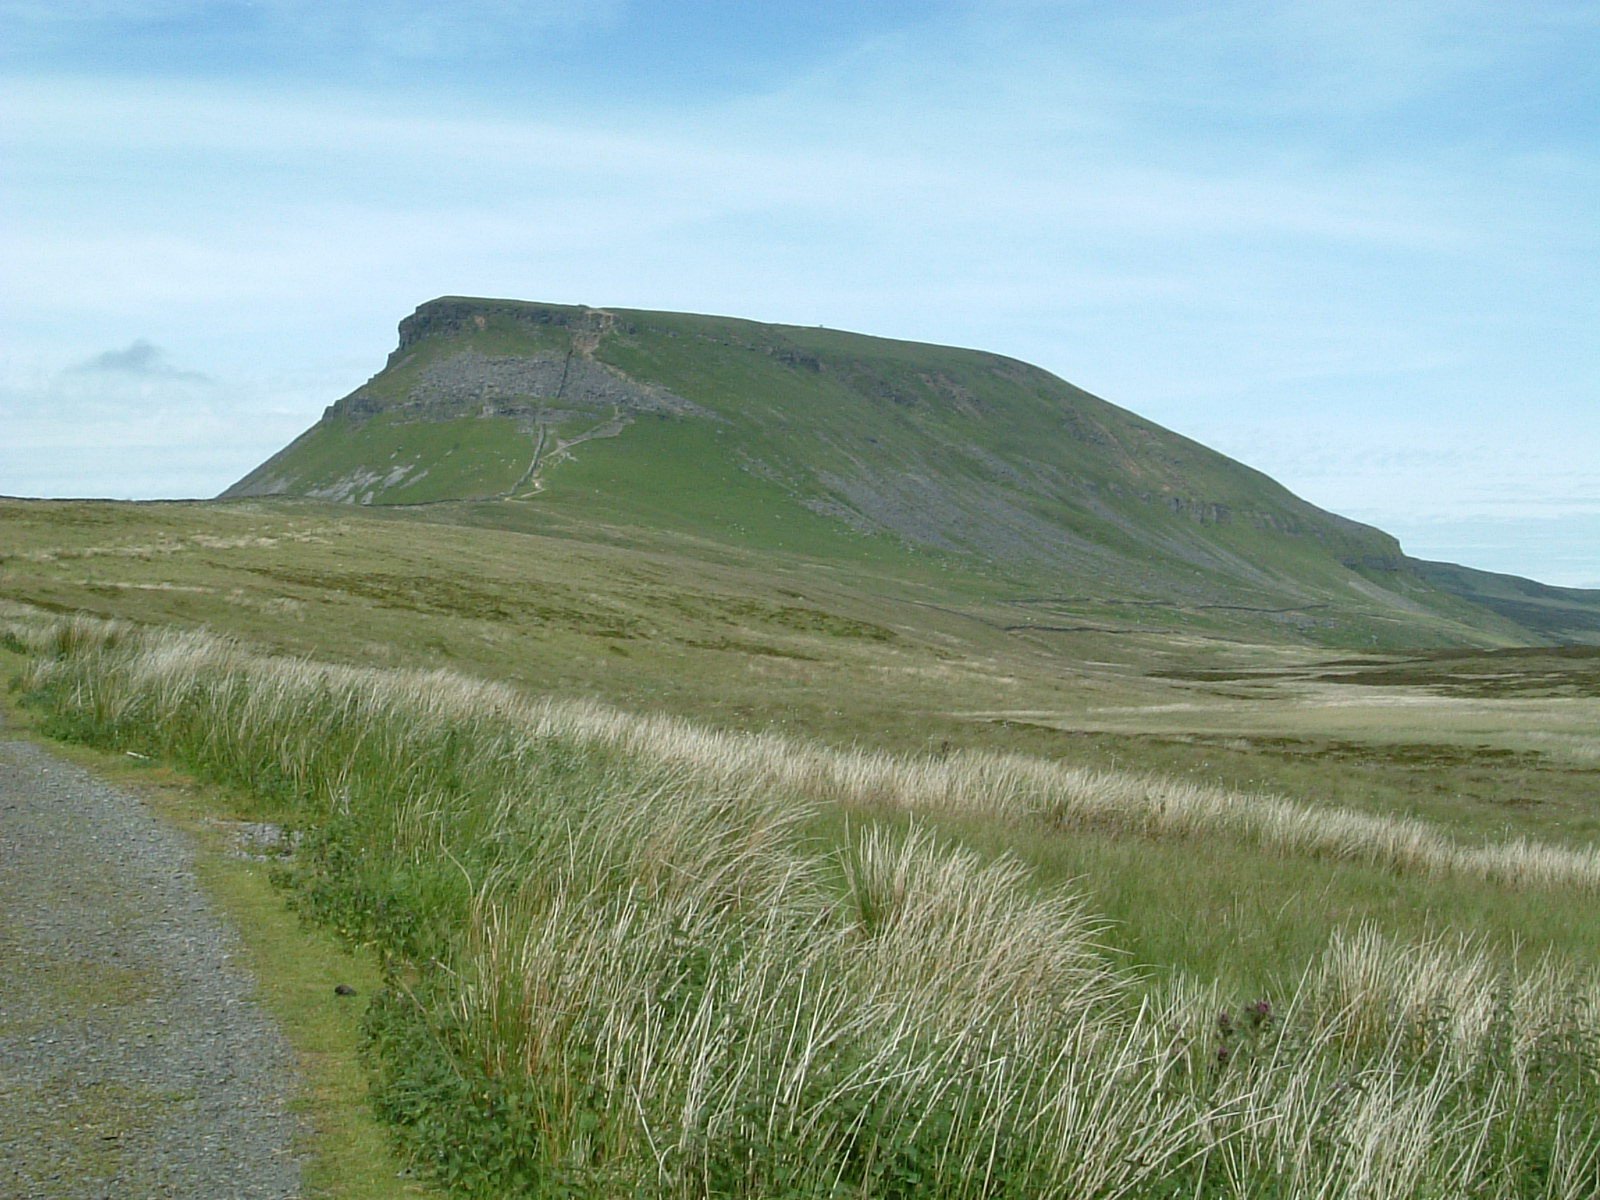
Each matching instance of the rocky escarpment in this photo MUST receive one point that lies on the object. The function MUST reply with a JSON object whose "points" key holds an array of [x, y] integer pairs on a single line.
{"points": [[438, 371], [463, 316], [475, 402], [547, 387]]}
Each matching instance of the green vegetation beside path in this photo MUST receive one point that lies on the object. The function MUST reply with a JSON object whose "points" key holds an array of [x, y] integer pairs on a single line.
{"points": [[295, 969], [617, 962]]}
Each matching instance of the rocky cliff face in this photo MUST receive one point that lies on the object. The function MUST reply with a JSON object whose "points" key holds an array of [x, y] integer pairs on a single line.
{"points": [[552, 377], [457, 316], [541, 386]]}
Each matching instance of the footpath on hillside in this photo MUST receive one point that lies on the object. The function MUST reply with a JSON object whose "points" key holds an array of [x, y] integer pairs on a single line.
{"points": [[134, 1060]]}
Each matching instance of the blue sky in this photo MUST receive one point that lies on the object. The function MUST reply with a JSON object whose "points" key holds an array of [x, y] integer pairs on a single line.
{"points": [[1353, 244]]}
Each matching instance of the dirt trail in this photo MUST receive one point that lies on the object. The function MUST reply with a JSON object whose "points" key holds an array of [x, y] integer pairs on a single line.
{"points": [[134, 1061]]}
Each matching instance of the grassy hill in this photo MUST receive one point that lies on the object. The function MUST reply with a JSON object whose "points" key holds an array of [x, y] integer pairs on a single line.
{"points": [[1562, 615], [924, 461]]}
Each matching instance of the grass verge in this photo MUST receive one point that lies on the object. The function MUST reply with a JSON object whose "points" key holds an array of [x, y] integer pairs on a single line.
{"points": [[296, 965]]}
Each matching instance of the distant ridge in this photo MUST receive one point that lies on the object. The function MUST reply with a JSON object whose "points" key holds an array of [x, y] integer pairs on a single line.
{"points": [[821, 443], [1561, 614]]}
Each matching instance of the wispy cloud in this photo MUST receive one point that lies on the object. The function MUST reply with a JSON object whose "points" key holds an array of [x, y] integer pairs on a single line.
{"points": [[127, 424], [139, 359], [253, 33]]}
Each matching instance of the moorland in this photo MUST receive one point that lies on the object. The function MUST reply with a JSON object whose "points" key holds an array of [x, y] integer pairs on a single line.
{"points": [[755, 774]]}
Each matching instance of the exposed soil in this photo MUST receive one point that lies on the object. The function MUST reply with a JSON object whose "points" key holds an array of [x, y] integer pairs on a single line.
{"points": [[134, 1061]]}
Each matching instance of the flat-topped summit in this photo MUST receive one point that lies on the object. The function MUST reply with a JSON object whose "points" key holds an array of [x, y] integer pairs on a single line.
{"points": [[816, 441]]}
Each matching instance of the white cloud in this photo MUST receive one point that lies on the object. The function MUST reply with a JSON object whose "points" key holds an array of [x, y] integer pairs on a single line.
{"points": [[1391, 468], [86, 12], [406, 30]]}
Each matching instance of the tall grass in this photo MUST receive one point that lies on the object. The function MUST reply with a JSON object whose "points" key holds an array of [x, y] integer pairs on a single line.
{"points": [[1003, 786], [1012, 787], [616, 971]]}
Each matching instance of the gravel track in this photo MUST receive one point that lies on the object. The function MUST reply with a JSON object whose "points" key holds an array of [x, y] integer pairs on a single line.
{"points": [[134, 1060]]}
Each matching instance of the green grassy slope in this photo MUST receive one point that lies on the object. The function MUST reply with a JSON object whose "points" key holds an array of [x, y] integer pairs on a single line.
{"points": [[404, 462], [1570, 615], [853, 449]]}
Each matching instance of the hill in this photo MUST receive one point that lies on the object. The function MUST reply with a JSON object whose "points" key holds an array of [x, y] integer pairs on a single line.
{"points": [[840, 447], [1561, 615]]}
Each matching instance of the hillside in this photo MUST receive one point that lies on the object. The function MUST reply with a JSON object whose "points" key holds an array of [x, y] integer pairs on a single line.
{"points": [[846, 448], [1562, 615]]}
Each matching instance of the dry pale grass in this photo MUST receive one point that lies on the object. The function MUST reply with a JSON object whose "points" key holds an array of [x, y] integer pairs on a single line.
{"points": [[685, 1005], [970, 783]]}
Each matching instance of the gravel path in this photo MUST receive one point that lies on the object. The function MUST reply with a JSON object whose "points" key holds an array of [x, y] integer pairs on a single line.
{"points": [[134, 1061]]}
